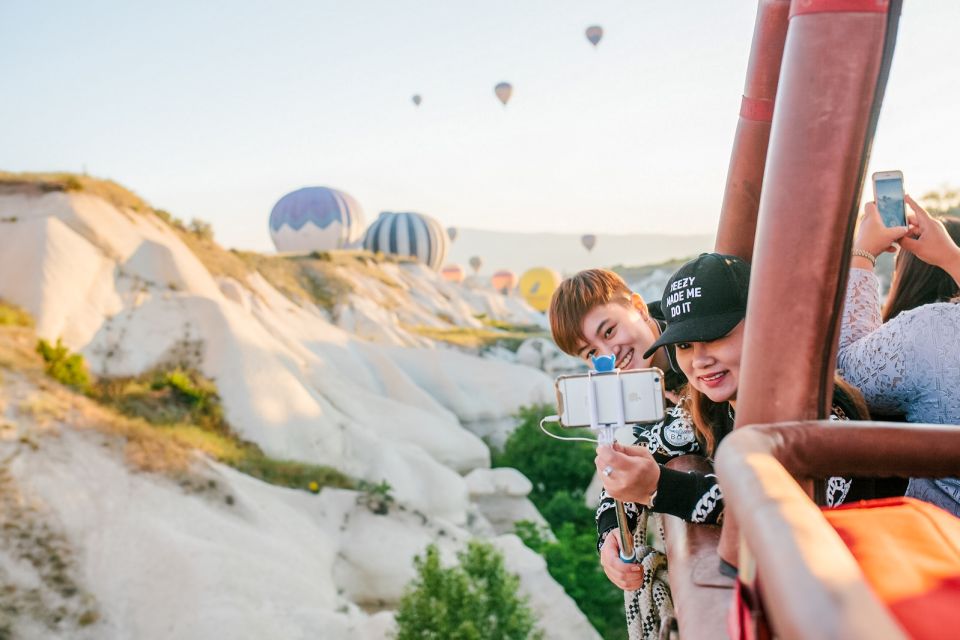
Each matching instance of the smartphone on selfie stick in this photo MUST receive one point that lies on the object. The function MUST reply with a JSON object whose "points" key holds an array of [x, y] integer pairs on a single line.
{"points": [[606, 399], [888, 195]]}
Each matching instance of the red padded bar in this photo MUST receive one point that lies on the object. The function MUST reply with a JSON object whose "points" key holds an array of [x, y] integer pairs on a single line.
{"points": [[803, 7]]}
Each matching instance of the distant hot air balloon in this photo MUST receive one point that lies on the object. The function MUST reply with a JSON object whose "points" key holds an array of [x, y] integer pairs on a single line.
{"points": [[503, 91], [315, 219], [408, 234], [594, 34], [416, 99], [588, 241], [537, 285], [476, 263], [452, 233], [504, 280], [452, 273]]}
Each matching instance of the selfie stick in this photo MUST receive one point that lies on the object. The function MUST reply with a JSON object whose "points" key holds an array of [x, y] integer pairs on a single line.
{"points": [[605, 436]]}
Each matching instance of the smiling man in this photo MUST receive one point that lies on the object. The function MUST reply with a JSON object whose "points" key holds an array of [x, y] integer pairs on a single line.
{"points": [[595, 313]]}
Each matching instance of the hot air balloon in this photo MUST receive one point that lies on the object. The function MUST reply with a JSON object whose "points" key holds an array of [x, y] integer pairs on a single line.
{"points": [[452, 233], [594, 34], [537, 285], [476, 263], [588, 241], [315, 219], [503, 91], [452, 273], [416, 99], [408, 234], [504, 280]]}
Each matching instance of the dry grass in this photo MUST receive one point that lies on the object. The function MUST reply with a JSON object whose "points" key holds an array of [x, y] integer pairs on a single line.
{"points": [[472, 338], [50, 182], [218, 261], [319, 277], [168, 444]]}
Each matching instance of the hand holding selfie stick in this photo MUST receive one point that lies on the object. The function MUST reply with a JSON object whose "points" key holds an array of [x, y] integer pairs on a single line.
{"points": [[605, 438]]}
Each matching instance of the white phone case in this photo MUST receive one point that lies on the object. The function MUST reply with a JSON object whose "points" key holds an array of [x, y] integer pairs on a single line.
{"points": [[642, 397]]}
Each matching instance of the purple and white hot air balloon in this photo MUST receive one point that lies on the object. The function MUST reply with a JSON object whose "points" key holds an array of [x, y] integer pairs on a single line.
{"points": [[316, 219]]}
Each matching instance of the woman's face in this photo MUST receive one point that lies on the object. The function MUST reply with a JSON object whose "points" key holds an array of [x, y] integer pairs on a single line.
{"points": [[713, 368], [620, 329]]}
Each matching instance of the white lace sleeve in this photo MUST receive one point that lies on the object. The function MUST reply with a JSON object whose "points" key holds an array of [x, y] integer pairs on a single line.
{"points": [[861, 308], [872, 355]]}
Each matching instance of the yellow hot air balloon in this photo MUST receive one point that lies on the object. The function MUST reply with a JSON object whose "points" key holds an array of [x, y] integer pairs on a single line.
{"points": [[537, 285], [452, 273], [503, 281]]}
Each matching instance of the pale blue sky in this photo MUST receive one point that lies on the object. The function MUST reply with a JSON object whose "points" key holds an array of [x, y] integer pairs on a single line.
{"points": [[216, 109]]}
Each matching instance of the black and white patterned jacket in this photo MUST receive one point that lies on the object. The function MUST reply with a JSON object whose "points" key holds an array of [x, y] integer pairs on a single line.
{"points": [[696, 496]]}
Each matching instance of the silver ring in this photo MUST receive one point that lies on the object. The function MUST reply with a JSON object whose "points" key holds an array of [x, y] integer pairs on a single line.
{"points": [[608, 471]]}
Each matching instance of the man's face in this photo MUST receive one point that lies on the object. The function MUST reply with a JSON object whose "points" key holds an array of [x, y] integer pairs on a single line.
{"points": [[620, 329]]}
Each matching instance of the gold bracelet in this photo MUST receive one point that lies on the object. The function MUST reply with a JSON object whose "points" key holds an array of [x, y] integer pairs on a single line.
{"points": [[865, 254]]}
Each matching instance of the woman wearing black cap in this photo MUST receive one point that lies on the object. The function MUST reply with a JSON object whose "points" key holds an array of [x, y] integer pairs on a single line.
{"points": [[704, 303]]}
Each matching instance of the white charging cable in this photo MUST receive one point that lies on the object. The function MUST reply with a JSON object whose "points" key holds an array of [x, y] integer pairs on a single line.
{"points": [[556, 419]]}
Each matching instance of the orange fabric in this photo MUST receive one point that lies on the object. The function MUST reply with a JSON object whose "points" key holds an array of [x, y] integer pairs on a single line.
{"points": [[909, 552]]}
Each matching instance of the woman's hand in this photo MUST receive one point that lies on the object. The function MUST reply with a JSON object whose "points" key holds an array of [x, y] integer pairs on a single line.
{"points": [[930, 241], [872, 236], [629, 474], [626, 575]]}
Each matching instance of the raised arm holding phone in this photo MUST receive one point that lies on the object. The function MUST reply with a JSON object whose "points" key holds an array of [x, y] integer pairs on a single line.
{"points": [[911, 364]]}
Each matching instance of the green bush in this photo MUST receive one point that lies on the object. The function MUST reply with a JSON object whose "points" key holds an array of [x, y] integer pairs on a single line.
{"points": [[573, 562], [165, 397], [474, 600], [560, 471], [13, 316], [551, 465], [201, 229], [63, 366]]}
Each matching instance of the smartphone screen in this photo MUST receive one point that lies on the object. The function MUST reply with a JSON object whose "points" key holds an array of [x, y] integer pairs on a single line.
{"points": [[889, 195]]}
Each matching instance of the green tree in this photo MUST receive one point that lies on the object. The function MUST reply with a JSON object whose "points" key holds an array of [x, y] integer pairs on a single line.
{"points": [[573, 562], [474, 600], [560, 472], [550, 465], [945, 201]]}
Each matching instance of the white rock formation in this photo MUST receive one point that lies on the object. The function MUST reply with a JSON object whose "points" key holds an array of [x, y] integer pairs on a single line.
{"points": [[124, 290], [543, 354], [501, 496]]}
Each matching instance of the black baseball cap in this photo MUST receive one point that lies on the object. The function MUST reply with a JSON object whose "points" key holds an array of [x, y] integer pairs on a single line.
{"points": [[704, 300]]}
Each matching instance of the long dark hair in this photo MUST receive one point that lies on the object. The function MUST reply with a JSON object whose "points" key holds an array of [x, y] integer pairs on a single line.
{"points": [[916, 283], [707, 415]]}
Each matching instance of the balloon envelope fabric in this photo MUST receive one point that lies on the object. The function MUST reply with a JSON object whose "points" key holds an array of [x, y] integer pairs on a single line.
{"points": [[408, 234], [315, 219]]}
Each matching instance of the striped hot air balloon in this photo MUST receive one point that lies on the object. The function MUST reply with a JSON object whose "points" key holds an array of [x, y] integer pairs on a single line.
{"points": [[504, 280], [408, 234], [315, 219], [453, 273]]}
